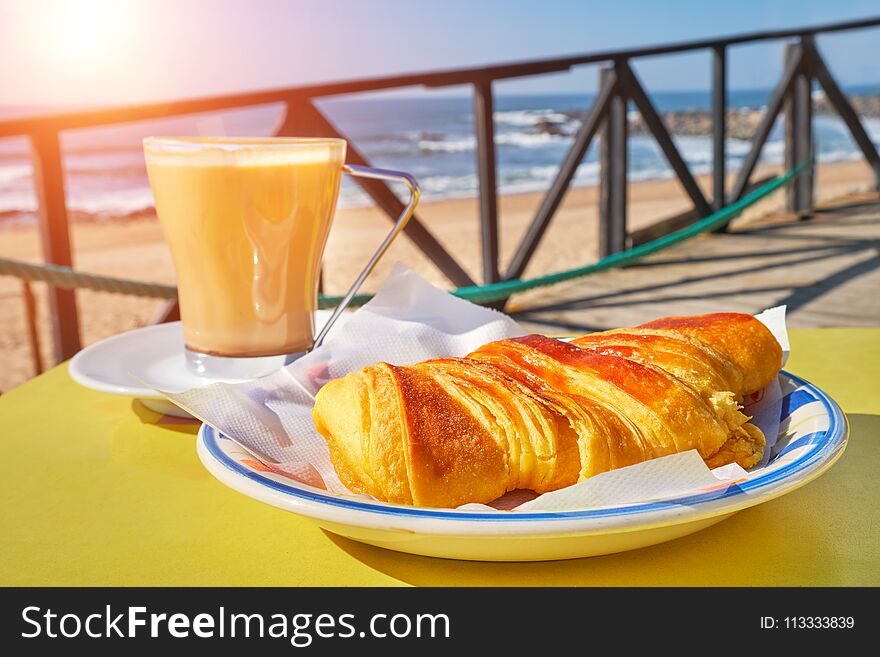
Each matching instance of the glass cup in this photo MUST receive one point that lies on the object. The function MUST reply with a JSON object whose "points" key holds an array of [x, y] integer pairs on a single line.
{"points": [[247, 221]]}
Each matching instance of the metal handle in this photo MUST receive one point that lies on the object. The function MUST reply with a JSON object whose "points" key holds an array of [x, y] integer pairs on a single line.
{"points": [[399, 225]]}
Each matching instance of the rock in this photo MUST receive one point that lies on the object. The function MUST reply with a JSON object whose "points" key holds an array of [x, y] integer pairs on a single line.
{"points": [[555, 128]]}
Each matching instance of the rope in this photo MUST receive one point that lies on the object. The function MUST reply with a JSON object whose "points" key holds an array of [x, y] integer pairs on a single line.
{"points": [[64, 277]]}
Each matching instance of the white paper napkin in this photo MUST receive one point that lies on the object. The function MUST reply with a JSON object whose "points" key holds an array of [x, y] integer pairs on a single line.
{"points": [[657, 479]]}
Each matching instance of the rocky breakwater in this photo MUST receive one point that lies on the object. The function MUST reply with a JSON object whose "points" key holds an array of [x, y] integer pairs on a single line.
{"points": [[741, 122]]}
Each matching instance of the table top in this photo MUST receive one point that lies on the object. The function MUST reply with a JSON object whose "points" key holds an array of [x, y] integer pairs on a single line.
{"points": [[98, 490]]}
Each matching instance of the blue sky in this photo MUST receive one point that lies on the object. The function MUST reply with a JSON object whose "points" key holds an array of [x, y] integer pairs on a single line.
{"points": [[122, 51]]}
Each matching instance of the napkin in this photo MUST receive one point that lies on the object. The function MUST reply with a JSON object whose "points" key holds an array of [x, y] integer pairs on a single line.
{"points": [[409, 321]]}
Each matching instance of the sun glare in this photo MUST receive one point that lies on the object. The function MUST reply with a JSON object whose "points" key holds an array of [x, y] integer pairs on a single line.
{"points": [[83, 30]]}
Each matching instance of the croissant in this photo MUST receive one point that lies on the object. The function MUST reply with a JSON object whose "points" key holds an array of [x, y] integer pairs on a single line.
{"points": [[541, 414]]}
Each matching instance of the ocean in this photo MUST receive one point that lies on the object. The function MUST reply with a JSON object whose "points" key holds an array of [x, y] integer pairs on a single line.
{"points": [[428, 136]]}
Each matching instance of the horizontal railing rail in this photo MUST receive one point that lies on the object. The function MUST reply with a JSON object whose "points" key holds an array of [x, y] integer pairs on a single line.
{"points": [[619, 85]]}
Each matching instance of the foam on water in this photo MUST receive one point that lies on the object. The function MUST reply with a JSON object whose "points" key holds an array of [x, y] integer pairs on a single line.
{"points": [[530, 117], [452, 146]]}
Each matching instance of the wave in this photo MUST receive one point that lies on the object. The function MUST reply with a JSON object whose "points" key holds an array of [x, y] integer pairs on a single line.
{"points": [[461, 145], [530, 118], [521, 139], [17, 204], [126, 201], [530, 139], [738, 147], [11, 174]]}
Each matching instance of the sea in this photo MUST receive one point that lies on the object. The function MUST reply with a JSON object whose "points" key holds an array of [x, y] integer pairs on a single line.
{"points": [[428, 136]]}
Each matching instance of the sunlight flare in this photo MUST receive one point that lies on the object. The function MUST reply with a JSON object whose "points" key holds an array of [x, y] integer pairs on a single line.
{"points": [[85, 30]]}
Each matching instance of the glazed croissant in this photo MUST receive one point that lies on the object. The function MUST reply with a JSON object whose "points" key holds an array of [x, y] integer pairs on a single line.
{"points": [[541, 414]]}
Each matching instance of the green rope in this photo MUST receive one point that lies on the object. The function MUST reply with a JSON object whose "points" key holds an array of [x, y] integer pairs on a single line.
{"points": [[504, 289]]}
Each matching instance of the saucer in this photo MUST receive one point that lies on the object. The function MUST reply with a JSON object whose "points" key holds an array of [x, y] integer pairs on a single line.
{"points": [[155, 354]]}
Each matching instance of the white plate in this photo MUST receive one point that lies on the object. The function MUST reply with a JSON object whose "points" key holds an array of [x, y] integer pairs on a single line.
{"points": [[813, 433], [155, 353]]}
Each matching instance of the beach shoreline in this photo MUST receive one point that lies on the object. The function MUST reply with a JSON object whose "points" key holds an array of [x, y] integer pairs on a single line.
{"points": [[132, 247]]}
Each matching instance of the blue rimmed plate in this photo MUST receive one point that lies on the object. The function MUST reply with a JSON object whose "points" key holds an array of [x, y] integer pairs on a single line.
{"points": [[812, 436]]}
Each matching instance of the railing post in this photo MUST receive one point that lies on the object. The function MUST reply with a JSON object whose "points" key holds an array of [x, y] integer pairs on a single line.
{"points": [[30, 318], [799, 131], [55, 237], [484, 124], [612, 170], [719, 126]]}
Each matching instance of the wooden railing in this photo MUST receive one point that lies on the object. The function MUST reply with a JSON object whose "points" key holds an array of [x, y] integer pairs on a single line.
{"points": [[618, 86]]}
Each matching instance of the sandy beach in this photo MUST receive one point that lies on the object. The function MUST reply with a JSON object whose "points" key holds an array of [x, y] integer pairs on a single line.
{"points": [[134, 248]]}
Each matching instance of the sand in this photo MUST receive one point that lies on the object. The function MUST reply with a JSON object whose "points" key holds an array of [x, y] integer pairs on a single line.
{"points": [[134, 248]]}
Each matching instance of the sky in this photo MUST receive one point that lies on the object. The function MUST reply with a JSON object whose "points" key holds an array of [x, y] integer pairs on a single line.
{"points": [[112, 52]]}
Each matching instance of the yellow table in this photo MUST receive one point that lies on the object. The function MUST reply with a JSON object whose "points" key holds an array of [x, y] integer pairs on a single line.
{"points": [[97, 490]]}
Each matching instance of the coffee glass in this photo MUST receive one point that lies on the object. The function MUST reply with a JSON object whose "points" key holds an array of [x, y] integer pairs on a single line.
{"points": [[247, 220]]}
